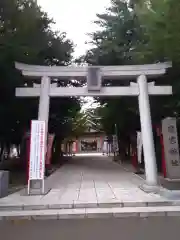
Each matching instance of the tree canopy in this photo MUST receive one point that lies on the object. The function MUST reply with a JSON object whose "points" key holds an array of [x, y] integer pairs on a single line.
{"points": [[131, 32], [137, 32], [26, 36]]}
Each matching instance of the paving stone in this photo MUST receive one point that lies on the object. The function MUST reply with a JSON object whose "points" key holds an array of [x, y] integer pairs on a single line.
{"points": [[60, 206], [101, 185], [35, 207], [173, 214], [28, 199], [134, 204], [73, 186], [53, 197], [140, 212], [105, 195], [45, 217], [71, 213], [119, 213], [11, 207], [110, 204], [152, 214], [87, 185], [144, 212], [159, 203], [99, 213], [69, 196], [175, 203], [87, 195], [78, 204], [28, 215], [17, 219], [172, 211]]}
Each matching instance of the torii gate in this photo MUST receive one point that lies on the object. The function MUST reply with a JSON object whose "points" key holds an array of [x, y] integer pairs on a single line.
{"points": [[94, 76]]}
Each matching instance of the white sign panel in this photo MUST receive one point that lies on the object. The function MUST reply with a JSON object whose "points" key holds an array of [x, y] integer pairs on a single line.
{"points": [[37, 151], [171, 148]]}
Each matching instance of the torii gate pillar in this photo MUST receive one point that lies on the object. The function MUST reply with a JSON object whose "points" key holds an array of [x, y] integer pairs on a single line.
{"points": [[147, 136], [44, 100]]}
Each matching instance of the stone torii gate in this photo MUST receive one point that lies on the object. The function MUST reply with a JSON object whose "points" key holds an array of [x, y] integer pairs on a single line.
{"points": [[94, 75]]}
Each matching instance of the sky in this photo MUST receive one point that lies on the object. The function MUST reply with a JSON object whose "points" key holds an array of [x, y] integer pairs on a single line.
{"points": [[75, 17]]}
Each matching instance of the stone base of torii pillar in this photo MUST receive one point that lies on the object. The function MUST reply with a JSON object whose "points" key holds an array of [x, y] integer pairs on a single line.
{"points": [[150, 188]]}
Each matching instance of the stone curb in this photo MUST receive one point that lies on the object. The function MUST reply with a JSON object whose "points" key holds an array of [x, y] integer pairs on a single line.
{"points": [[141, 212], [31, 207]]}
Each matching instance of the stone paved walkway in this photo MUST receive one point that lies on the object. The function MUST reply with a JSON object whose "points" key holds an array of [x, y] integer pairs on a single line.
{"points": [[94, 181]]}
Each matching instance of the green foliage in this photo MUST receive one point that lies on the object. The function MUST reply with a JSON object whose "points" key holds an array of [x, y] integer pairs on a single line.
{"points": [[85, 120], [26, 36], [159, 20], [115, 44], [79, 124], [138, 32]]}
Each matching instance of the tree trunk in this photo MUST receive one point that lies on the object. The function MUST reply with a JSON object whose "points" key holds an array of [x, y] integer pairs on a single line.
{"points": [[2, 151], [8, 150], [129, 147], [57, 154], [18, 150]]}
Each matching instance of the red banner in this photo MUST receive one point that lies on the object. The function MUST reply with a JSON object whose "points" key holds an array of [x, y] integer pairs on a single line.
{"points": [[49, 149]]}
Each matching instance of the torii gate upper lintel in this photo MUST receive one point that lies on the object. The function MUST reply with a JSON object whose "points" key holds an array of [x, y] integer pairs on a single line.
{"points": [[94, 75], [115, 72]]}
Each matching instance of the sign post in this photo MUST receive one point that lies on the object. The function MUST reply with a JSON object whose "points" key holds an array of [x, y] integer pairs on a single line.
{"points": [[37, 154], [171, 148]]}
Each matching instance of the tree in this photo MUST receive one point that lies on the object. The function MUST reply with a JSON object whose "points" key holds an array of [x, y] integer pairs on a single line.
{"points": [[159, 22], [137, 32], [115, 44], [83, 120], [26, 36], [117, 37]]}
